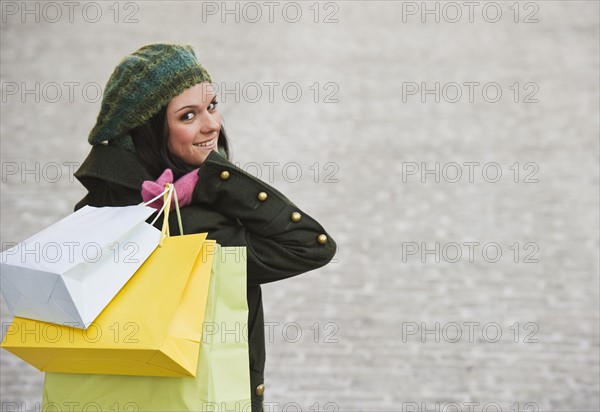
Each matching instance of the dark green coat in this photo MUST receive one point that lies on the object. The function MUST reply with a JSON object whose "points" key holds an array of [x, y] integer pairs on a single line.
{"points": [[227, 206]]}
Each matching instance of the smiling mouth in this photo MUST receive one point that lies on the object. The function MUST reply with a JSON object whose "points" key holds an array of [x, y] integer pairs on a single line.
{"points": [[207, 143]]}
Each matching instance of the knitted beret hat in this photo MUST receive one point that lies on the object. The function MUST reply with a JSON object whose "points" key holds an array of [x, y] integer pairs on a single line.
{"points": [[141, 84]]}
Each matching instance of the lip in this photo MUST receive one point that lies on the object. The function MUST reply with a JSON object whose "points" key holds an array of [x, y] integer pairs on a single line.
{"points": [[206, 144]]}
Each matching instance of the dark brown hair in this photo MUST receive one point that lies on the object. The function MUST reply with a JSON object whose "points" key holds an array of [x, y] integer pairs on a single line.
{"points": [[151, 144]]}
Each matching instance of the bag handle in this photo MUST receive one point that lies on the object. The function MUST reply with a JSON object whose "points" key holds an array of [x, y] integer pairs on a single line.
{"points": [[154, 198], [167, 195]]}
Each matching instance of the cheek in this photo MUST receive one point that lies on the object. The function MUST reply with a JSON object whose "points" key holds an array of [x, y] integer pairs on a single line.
{"points": [[217, 117], [180, 136]]}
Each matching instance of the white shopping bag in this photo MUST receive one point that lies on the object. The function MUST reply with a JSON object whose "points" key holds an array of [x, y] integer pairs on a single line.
{"points": [[67, 273]]}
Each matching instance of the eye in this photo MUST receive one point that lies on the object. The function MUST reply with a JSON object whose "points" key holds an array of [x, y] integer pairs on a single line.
{"points": [[213, 105], [187, 116]]}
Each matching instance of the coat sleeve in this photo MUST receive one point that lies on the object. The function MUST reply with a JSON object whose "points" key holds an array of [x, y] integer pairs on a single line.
{"points": [[281, 240]]}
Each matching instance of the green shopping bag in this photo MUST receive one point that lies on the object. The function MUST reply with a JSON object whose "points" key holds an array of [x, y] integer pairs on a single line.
{"points": [[222, 380]]}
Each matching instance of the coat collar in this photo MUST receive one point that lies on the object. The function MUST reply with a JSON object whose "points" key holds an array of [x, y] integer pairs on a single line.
{"points": [[119, 166], [114, 165]]}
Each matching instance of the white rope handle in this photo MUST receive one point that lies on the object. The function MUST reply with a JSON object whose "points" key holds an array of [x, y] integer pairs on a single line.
{"points": [[156, 198], [163, 206], [170, 192]]}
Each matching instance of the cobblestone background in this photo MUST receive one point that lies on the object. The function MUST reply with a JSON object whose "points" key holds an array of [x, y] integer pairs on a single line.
{"points": [[376, 330]]}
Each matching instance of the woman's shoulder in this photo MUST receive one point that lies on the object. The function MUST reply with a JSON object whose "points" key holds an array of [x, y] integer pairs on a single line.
{"points": [[114, 165]]}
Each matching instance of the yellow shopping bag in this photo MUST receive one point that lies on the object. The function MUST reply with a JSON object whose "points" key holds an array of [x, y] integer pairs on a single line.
{"points": [[222, 381], [152, 327]]}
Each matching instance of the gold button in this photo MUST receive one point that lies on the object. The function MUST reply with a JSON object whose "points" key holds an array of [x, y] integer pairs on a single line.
{"points": [[224, 175], [260, 390], [262, 196], [322, 239], [296, 217]]}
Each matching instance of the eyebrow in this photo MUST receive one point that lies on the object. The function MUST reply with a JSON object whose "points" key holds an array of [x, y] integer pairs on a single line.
{"points": [[193, 105]]}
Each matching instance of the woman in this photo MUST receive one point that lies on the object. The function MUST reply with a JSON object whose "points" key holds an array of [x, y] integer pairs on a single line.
{"points": [[158, 112]]}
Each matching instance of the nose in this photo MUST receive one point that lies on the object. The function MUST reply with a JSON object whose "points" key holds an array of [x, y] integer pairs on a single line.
{"points": [[209, 122]]}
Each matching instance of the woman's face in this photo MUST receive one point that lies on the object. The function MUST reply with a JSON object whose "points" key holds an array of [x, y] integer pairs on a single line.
{"points": [[194, 124]]}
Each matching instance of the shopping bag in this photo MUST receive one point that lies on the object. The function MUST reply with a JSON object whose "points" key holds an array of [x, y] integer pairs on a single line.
{"points": [[223, 378], [68, 272], [152, 327]]}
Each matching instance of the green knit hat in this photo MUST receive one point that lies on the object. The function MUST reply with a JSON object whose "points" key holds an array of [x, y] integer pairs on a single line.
{"points": [[140, 86]]}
